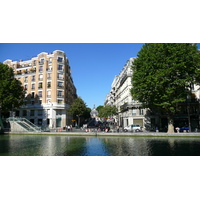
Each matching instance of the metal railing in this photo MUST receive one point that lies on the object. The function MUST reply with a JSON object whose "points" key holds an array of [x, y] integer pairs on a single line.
{"points": [[25, 123]]}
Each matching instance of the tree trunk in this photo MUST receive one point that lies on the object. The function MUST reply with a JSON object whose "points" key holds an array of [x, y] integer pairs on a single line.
{"points": [[78, 121], [170, 124]]}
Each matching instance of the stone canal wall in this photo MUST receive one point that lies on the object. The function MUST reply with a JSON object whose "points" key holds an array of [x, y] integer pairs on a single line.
{"points": [[137, 134]]}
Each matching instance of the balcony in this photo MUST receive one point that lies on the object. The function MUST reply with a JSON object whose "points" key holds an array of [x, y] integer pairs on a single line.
{"points": [[127, 106], [60, 86], [60, 95], [32, 71], [41, 62], [48, 69]]}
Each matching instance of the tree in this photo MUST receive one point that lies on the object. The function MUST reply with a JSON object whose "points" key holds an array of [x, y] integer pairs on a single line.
{"points": [[99, 108], [78, 109], [163, 75], [12, 92], [107, 111]]}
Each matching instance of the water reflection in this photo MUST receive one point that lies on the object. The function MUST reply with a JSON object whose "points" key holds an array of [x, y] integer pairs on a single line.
{"points": [[35, 145]]}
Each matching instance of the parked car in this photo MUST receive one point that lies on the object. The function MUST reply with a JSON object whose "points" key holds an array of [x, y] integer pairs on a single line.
{"points": [[185, 128], [133, 127]]}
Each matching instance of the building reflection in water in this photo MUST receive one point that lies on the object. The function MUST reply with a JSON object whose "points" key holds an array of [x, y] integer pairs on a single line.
{"points": [[45, 145]]}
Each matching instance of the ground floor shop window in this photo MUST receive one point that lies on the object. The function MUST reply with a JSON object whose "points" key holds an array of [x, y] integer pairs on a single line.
{"points": [[58, 122]]}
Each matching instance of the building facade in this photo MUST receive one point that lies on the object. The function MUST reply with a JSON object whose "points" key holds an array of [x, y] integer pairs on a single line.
{"points": [[129, 110], [49, 88]]}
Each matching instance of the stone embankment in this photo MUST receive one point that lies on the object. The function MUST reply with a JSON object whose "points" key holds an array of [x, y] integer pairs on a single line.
{"points": [[95, 133]]}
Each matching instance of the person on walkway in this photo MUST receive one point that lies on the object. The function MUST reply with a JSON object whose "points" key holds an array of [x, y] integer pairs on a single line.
{"points": [[177, 129], [117, 128]]}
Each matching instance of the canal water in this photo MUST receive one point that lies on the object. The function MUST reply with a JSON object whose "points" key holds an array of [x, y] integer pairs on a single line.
{"points": [[51, 145]]}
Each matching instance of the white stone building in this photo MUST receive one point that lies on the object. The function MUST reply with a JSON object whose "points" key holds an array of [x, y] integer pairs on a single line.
{"points": [[129, 111]]}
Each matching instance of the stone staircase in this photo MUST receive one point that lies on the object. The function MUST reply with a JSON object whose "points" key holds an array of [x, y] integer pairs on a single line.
{"points": [[19, 124]]}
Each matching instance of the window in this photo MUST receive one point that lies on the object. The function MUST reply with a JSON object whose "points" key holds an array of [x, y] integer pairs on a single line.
{"points": [[60, 59], [25, 87], [40, 77], [49, 84], [60, 84], [24, 113], [33, 86], [60, 67], [32, 113], [59, 93], [60, 76], [40, 93], [134, 112], [33, 78], [26, 79], [41, 69], [60, 101], [141, 111], [48, 93], [40, 85], [40, 113], [42, 61], [48, 76]]}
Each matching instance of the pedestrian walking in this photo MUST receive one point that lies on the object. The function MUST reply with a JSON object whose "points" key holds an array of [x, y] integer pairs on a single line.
{"points": [[66, 128]]}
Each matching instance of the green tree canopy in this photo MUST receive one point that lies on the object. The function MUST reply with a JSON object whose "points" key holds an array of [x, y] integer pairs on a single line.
{"points": [[163, 75], [99, 108], [78, 109], [12, 92], [107, 111]]}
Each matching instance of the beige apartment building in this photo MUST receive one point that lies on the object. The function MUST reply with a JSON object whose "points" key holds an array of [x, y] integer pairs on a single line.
{"points": [[49, 88]]}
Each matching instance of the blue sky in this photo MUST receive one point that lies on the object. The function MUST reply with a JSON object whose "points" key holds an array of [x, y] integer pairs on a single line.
{"points": [[94, 65]]}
